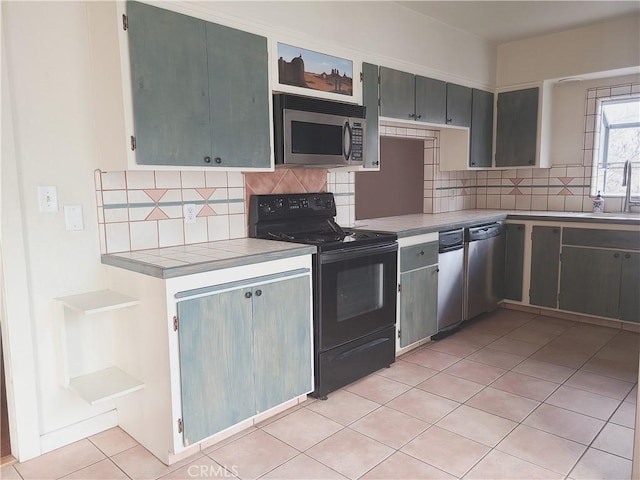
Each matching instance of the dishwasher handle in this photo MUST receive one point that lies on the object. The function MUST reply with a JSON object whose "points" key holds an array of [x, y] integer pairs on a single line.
{"points": [[451, 248], [483, 232]]}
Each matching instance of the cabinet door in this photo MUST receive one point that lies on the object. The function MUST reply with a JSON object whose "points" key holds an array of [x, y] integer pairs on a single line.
{"points": [[216, 361], [397, 98], [418, 304], [431, 100], [282, 342], [590, 281], [458, 105], [545, 263], [169, 86], [513, 261], [370, 101], [517, 128], [481, 129], [239, 97], [629, 281]]}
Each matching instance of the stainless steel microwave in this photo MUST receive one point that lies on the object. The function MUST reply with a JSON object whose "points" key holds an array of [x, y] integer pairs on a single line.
{"points": [[317, 133]]}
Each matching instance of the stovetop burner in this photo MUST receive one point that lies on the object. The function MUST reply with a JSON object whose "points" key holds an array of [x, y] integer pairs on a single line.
{"points": [[306, 218]]}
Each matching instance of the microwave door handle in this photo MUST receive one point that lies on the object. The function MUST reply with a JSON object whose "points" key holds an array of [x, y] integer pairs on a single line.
{"points": [[347, 151]]}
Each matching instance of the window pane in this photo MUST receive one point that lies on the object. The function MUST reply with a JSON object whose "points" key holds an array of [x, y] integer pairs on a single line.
{"points": [[621, 129]]}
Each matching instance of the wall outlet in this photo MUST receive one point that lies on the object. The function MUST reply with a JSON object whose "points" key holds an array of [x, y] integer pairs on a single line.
{"points": [[73, 217], [189, 213], [48, 199]]}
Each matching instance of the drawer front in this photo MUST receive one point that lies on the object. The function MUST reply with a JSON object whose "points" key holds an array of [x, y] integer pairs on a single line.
{"points": [[417, 256], [591, 237]]}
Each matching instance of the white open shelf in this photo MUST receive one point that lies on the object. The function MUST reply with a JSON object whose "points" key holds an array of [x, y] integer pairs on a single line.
{"points": [[105, 385], [99, 301]]}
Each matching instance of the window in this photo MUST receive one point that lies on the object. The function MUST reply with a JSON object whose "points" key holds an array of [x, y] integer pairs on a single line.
{"points": [[619, 140]]}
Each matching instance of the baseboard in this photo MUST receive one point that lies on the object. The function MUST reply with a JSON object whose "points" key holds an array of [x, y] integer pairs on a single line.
{"points": [[78, 431]]}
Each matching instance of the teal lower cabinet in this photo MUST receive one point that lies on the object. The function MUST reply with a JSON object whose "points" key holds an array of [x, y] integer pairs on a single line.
{"points": [[281, 342], [418, 301], [590, 281], [513, 261], [242, 352], [630, 287], [418, 290]]}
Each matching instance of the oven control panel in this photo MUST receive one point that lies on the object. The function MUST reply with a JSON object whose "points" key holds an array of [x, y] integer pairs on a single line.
{"points": [[292, 205]]}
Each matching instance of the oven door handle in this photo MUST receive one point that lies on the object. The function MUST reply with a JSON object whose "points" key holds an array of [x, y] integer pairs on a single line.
{"points": [[357, 252]]}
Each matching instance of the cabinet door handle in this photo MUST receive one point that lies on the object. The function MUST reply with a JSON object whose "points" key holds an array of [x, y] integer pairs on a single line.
{"points": [[218, 160], [247, 295], [207, 159], [258, 293], [616, 255]]}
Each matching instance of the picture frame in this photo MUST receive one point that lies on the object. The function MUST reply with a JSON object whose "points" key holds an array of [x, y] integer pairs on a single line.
{"points": [[308, 72]]}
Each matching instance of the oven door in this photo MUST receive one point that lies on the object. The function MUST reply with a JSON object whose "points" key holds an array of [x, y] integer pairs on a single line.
{"points": [[356, 290]]}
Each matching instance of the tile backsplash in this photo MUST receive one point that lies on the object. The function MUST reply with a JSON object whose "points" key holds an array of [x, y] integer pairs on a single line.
{"points": [[144, 209]]}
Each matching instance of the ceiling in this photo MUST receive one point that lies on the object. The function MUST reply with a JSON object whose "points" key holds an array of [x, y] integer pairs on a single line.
{"points": [[506, 21]]}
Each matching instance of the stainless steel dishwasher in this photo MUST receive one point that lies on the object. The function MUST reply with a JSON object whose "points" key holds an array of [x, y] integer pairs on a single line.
{"points": [[450, 279], [484, 268]]}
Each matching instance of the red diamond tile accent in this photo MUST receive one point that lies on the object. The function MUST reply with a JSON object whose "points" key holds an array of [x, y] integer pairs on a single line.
{"points": [[156, 194], [565, 180], [515, 191], [206, 211], [516, 181], [205, 193], [157, 214], [565, 191]]}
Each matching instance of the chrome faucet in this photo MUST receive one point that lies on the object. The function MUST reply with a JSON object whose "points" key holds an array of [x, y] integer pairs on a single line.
{"points": [[626, 182]]}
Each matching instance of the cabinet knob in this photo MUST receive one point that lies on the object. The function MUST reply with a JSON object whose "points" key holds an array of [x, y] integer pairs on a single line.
{"points": [[627, 255], [421, 252], [376, 162], [449, 120], [247, 295], [437, 269], [207, 159], [616, 255], [258, 293], [473, 164], [418, 117], [531, 162], [218, 160], [412, 115], [556, 230]]}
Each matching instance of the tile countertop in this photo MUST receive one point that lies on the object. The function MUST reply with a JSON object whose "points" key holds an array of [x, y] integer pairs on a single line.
{"points": [[417, 224], [170, 262]]}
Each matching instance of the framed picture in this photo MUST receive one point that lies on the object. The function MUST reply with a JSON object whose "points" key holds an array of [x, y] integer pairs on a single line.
{"points": [[308, 72]]}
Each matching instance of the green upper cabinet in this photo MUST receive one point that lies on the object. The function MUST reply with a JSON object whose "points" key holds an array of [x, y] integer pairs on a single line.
{"points": [[370, 101], [168, 55], [397, 98], [431, 100], [200, 91], [481, 129], [458, 105], [239, 99], [517, 128], [412, 97]]}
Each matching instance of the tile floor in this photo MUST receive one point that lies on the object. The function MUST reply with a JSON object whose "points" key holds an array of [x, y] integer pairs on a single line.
{"points": [[512, 395]]}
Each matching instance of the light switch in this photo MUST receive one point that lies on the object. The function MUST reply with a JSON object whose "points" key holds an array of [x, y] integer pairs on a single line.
{"points": [[48, 199], [73, 217]]}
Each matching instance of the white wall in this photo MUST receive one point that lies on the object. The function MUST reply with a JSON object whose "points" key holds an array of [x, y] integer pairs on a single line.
{"points": [[602, 47], [50, 95], [568, 111], [51, 99]]}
